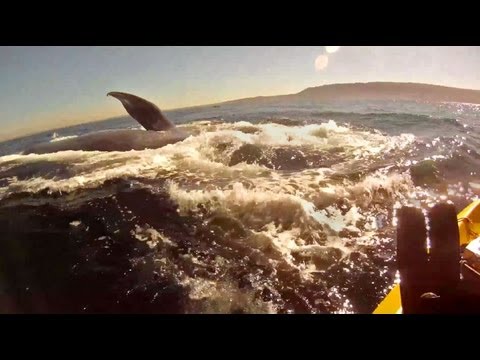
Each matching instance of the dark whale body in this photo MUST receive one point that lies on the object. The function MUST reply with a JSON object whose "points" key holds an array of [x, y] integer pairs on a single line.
{"points": [[160, 132]]}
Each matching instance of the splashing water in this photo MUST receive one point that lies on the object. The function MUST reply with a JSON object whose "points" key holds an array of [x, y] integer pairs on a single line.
{"points": [[252, 216]]}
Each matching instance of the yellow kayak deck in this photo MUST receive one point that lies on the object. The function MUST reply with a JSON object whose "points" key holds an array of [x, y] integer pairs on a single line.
{"points": [[469, 229]]}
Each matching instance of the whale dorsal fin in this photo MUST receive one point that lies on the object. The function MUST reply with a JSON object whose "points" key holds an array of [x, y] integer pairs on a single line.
{"points": [[145, 112]]}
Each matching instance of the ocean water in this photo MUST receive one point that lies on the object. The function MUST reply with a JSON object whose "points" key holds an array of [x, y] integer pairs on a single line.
{"points": [[280, 209]]}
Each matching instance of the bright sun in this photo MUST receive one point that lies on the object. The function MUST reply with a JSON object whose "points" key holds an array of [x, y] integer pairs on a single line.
{"points": [[332, 49]]}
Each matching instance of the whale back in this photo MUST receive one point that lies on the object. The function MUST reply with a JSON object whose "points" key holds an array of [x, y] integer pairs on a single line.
{"points": [[146, 113], [111, 140]]}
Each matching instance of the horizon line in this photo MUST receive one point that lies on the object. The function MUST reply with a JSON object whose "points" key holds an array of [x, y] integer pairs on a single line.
{"points": [[80, 122]]}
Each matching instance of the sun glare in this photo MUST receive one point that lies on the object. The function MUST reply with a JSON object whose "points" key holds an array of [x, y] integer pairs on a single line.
{"points": [[321, 62]]}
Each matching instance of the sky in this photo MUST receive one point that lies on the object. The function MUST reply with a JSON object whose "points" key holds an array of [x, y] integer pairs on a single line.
{"points": [[49, 87]]}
